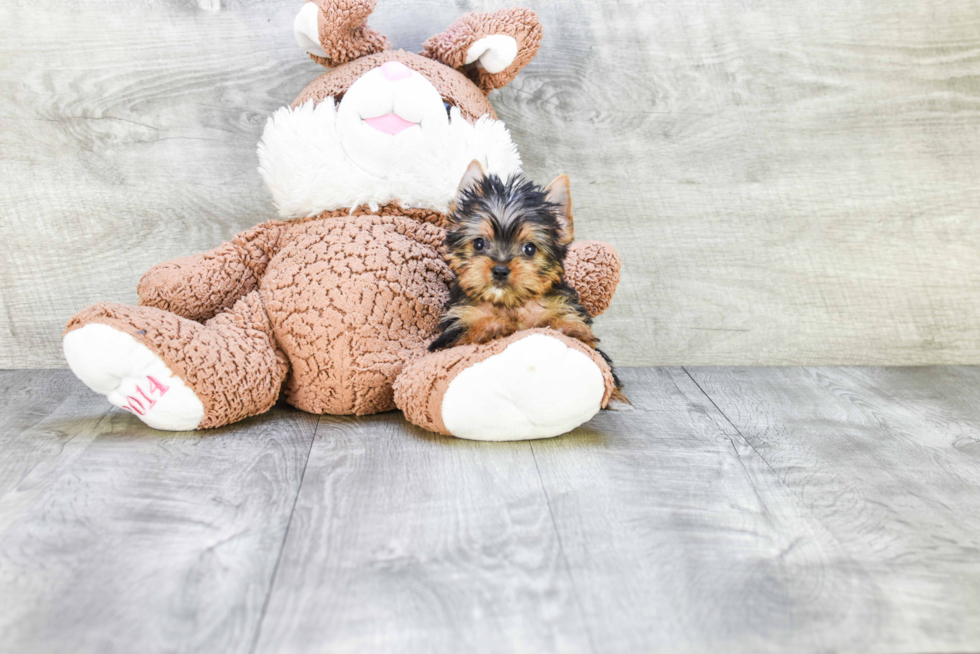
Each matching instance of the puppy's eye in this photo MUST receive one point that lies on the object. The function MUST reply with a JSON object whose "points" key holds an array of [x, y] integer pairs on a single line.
{"points": [[530, 249], [449, 108], [479, 245]]}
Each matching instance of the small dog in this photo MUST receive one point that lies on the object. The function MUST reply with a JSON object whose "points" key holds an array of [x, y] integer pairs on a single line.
{"points": [[506, 244]]}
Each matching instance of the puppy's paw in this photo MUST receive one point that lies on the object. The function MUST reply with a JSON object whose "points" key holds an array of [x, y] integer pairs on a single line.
{"points": [[616, 404]]}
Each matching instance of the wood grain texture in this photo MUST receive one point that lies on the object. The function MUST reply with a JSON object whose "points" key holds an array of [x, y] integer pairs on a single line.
{"points": [[403, 541], [788, 182], [679, 537], [118, 538], [47, 418], [733, 510], [888, 460]]}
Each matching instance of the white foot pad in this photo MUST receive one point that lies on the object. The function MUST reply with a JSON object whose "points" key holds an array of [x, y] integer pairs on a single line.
{"points": [[538, 387], [132, 377]]}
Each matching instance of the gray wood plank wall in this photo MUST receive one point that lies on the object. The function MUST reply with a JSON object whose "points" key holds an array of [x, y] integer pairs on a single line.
{"points": [[788, 182]]}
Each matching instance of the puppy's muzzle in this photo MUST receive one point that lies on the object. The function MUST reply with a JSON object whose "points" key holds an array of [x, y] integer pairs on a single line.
{"points": [[500, 273]]}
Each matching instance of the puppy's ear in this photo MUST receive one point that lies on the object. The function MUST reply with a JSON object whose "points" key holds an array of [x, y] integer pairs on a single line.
{"points": [[491, 48], [474, 173], [558, 192]]}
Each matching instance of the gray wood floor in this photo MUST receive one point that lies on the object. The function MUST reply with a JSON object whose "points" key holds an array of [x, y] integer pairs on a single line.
{"points": [[735, 510]]}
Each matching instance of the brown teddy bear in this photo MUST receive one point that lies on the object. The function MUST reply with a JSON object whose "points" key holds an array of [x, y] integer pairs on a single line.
{"points": [[335, 304]]}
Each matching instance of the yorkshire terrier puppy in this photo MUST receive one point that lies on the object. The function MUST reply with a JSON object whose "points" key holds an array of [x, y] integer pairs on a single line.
{"points": [[506, 244]]}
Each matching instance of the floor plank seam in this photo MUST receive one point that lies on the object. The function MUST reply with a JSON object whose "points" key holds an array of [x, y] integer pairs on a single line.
{"points": [[779, 477], [739, 432], [861, 539], [67, 398], [561, 550], [61, 451], [282, 545], [39, 491]]}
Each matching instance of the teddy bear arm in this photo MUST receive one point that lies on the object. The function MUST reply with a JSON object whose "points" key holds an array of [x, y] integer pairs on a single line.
{"points": [[201, 285], [592, 269]]}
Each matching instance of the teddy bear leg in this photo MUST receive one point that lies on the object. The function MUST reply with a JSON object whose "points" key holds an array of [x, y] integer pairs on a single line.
{"points": [[176, 374], [534, 384]]}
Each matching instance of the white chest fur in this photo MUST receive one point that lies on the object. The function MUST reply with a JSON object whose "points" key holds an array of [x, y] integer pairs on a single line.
{"points": [[314, 162]]}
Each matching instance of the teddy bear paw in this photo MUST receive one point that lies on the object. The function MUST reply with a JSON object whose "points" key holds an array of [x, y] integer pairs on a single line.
{"points": [[132, 377], [538, 387]]}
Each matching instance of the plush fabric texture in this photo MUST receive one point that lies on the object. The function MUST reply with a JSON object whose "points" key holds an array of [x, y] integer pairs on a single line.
{"points": [[455, 87], [451, 46], [232, 363], [199, 286], [132, 377], [594, 267], [387, 284], [538, 387], [351, 299], [306, 166], [344, 34], [420, 389], [494, 53], [329, 306]]}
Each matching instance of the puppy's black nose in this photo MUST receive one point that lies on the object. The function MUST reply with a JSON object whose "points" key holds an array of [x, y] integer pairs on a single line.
{"points": [[500, 273]]}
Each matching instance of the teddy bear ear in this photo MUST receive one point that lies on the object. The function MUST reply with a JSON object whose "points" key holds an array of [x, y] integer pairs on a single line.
{"points": [[334, 32], [491, 48]]}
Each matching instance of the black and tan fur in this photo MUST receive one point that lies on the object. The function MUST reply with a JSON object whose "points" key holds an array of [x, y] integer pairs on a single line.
{"points": [[522, 232]]}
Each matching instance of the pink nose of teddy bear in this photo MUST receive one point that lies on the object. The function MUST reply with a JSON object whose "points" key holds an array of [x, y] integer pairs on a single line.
{"points": [[395, 70]]}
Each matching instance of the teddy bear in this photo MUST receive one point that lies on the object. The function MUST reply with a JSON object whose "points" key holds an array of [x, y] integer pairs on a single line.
{"points": [[333, 304]]}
